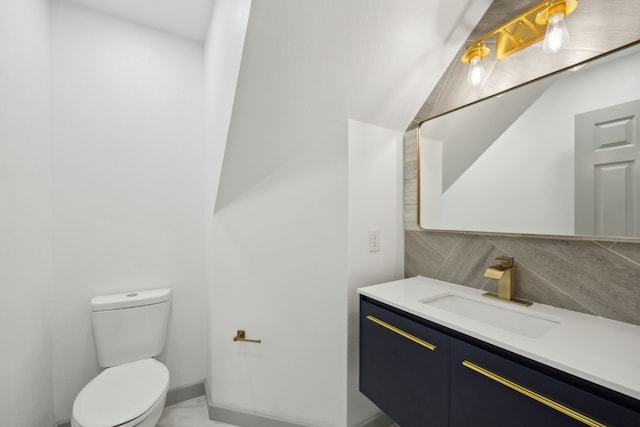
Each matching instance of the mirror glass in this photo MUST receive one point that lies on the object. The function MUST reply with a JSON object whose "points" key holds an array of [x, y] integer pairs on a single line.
{"points": [[559, 156]]}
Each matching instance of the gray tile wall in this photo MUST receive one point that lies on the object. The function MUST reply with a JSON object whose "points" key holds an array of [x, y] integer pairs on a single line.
{"points": [[596, 277]]}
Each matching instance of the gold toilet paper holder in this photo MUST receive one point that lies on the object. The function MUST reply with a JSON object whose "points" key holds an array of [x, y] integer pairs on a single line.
{"points": [[241, 336]]}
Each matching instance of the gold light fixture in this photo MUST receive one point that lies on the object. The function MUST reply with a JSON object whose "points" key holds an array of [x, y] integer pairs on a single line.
{"points": [[473, 55], [545, 20]]}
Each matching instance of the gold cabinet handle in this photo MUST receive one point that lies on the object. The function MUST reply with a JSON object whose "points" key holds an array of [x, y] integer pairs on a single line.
{"points": [[402, 333], [533, 395], [241, 336]]}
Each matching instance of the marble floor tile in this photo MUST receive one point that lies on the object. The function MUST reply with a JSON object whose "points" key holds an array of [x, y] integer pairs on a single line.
{"points": [[190, 413]]}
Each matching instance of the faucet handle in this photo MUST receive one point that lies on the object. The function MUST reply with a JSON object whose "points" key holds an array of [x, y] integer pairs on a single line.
{"points": [[505, 261]]}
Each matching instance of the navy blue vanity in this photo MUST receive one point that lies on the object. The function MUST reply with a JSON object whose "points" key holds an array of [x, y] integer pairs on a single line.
{"points": [[425, 365]]}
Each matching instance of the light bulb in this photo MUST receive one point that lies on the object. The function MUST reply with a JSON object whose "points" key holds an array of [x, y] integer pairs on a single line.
{"points": [[477, 72], [557, 34]]}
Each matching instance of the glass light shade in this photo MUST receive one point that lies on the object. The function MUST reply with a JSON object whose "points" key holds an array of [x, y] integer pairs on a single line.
{"points": [[477, 73], [557, 34]]}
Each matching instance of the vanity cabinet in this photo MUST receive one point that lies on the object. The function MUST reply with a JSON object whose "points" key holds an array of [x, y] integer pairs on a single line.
{"points": [[404, 367], [466, 382], [488, 390]]}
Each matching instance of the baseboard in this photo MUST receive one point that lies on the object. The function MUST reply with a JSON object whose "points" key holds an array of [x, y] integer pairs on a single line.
{"points": [[250, 420], [382, 420], [244, 419], [181, 394], [174, 396]]}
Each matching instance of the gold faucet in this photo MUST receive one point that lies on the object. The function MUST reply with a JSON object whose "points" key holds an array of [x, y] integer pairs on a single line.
{"points": [[505, 273]]}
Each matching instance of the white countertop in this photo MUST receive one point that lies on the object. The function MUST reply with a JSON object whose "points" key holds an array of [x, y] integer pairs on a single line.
{"points": [[603, 351]]}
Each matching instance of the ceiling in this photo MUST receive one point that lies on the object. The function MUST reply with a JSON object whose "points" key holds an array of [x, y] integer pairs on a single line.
{"points": [[185, 18]]}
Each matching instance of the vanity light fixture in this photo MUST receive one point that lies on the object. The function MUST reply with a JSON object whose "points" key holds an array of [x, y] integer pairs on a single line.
{"points": [[557, 35], [473, 56], [545, 20]]}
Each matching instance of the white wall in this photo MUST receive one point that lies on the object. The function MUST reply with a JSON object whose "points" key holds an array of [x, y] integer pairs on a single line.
{"points": [[281, 227], [128, 106], [223, 53], [538, 203], [25, 215], [375, 202]]}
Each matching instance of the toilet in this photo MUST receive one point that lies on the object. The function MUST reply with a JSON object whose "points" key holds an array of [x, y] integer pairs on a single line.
{"points": [[129, 331]]}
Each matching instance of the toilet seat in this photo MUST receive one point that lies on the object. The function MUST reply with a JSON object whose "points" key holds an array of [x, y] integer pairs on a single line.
{"points": [[122, 395]]}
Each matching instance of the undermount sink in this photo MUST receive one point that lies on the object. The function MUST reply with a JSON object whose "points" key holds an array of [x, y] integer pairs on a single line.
{"points": [[513, 319]]}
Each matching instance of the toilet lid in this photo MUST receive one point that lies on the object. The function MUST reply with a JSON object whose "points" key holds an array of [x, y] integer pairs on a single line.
{"points": [[121, 393]]}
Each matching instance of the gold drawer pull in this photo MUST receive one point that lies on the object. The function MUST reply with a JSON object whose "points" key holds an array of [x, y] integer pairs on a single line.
{"points": [[401, 332], [533, 395]]}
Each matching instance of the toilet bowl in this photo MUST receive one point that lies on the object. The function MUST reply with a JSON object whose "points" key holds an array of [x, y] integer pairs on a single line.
{"points": [[127, 395]]}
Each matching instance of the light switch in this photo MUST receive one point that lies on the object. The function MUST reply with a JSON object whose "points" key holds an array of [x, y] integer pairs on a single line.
{"points": [[374, 240]]}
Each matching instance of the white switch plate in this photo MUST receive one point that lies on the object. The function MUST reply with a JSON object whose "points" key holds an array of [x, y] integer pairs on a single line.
{"points": [[374, 240]]}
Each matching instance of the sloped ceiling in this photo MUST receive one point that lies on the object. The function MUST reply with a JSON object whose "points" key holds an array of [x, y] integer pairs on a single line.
{"points": [[185, 18], [308, 66], [473, 129], [396, 52]]}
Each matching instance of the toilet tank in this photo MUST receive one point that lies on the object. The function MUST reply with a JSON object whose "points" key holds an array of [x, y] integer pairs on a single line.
{"points": [[130, 326]]}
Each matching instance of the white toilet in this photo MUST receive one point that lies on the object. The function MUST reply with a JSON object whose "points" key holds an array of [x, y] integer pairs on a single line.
{"points": [[129, 331]]}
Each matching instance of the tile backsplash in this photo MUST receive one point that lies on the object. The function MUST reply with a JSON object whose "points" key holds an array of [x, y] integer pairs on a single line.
{"points": [[590, 276]]}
